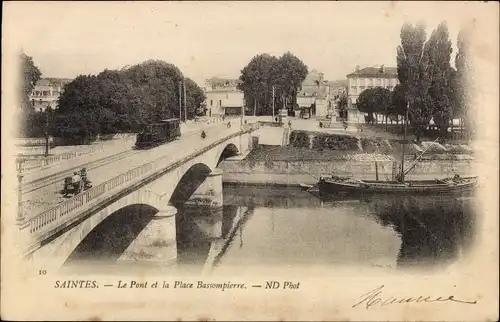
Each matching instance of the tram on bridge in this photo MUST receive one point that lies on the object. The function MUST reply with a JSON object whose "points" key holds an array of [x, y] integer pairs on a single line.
{"points": [[158, 133]]}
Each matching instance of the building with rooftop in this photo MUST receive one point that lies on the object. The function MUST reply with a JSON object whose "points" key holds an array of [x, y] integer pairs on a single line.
{"points": [[46, 93], [223, 97], [314, 93], [365, 78]]}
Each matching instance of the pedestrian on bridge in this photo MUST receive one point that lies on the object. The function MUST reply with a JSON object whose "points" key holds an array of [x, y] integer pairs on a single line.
{"points": [[76, 181], [83, 175]]}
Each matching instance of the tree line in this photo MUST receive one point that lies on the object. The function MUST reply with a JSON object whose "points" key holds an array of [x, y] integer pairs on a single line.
{"points": [[428, 85], [112, 101], [264, 72]]}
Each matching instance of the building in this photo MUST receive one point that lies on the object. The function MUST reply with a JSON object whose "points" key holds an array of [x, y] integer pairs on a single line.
{"points": [[314, 93], [46, 93], [369, 77], [337, 89], [223, 97]]}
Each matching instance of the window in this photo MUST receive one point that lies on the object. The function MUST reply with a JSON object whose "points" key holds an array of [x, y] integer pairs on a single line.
{"points": [[378, 81], [220, 102], [211, 102], [362, 82], [370, 81]]}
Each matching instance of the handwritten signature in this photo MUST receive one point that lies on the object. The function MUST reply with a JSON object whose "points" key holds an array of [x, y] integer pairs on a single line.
{"points": [[374, 297]]}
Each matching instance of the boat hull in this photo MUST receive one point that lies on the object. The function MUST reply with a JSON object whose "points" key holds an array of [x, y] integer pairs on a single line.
{"points": [[330, 186]]}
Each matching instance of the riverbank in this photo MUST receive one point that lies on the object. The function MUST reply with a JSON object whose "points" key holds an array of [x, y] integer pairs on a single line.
{"points": [[290, 166]]}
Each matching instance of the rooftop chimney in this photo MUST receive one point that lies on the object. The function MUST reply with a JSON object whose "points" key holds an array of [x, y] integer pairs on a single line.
{"points": [[357, 68], [382, 69]]}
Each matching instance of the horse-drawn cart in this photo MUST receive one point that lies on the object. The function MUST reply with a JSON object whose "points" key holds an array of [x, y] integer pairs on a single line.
{"points": [[74, 188]]}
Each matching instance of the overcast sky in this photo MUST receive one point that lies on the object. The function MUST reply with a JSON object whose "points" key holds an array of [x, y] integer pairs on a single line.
{"points": [[204, 40]]}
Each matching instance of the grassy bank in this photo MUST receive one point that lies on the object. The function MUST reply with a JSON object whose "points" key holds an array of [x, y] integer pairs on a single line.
{"points": [[314, 142]]}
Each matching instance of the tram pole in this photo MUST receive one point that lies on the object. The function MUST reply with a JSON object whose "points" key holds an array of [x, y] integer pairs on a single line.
{"points": [[185, 99], [180, 102]]}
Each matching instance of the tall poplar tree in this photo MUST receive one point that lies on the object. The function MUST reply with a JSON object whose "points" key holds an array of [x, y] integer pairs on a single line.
{"points": [[438, 50], [463, 64], [413, 68]]}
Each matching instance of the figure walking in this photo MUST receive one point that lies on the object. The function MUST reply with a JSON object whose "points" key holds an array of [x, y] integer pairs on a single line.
{"points": [[76, 181]]}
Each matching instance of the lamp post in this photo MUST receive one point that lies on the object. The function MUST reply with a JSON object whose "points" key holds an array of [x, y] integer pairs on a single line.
{"points": [[20, 213]]}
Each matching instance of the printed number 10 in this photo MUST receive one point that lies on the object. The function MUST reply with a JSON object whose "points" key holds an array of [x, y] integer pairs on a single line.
{"points": [[42, 272]]}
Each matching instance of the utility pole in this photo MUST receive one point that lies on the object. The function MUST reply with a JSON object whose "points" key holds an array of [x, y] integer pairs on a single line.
{"points": [[46, 133], [242, 111], [404, 143], [180, 102], [185, 101], [273, 101]]}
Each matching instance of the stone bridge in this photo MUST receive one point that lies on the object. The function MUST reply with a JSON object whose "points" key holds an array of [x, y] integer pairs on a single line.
{"points": [[157, 188]]}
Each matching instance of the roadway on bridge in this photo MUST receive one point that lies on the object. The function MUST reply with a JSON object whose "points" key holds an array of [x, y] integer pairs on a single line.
{"points": [[42, 199], [105, 149]]}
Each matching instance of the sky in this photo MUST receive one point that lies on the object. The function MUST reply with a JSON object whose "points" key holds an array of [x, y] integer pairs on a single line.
{"points": [[210, 39]]}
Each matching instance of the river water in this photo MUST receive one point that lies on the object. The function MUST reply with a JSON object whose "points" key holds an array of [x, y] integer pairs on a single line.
{"points": [[288, 227], [263, 226]]}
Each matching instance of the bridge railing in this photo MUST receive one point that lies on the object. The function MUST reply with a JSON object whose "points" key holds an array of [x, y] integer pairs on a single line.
{"points": [[43, 162], [40, 224]]}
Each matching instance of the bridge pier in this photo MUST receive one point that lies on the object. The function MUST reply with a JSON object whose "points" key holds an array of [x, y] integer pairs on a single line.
{"points": [[157, 242], [209, 193]]}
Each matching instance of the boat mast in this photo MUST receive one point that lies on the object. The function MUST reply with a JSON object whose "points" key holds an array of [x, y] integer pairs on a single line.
{"points": [[418, 159], [404, 144]]}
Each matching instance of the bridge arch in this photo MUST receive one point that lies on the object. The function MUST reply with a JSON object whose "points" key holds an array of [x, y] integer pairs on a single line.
{"points": [[189, 182], [230, 150], [109, 239], [59, 250]]}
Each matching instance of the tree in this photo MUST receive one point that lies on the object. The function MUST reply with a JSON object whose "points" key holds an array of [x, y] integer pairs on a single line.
{"points": [[84, 93], [342, 106], [412, 61], [256, 82], [398, 100], [463, 64], [155, 89], [125, 100], [194, 97], [77, 127], [438, 52], [265, 71], [25, 114], [374, 100], [289, 74], [30, 75]]}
